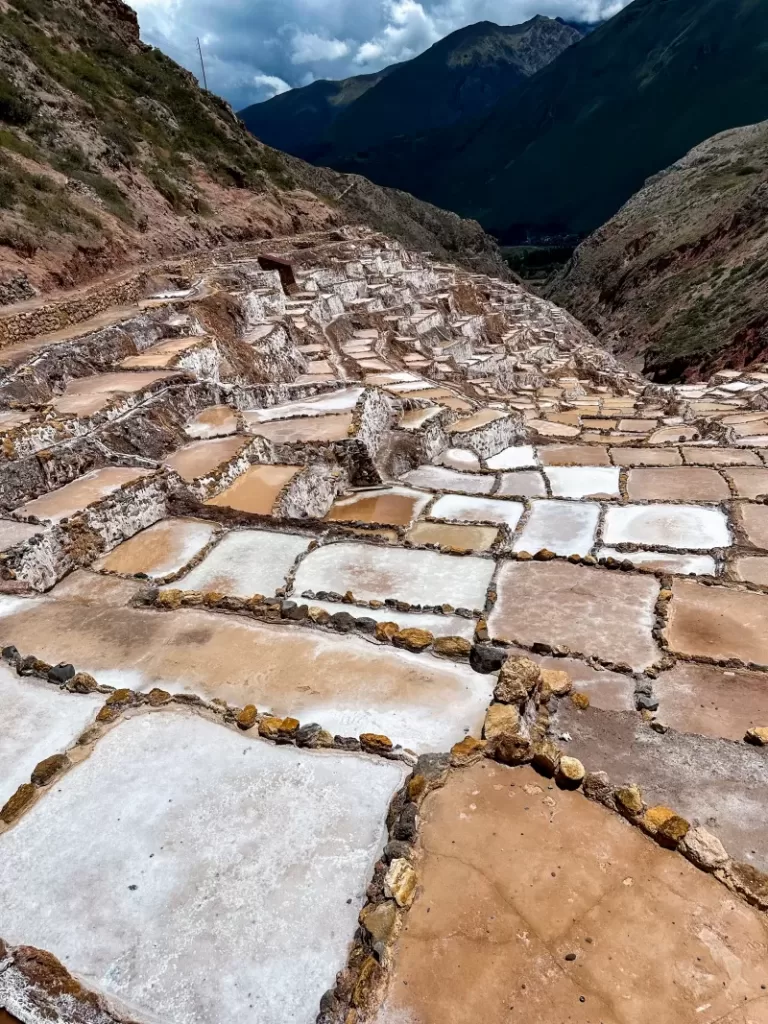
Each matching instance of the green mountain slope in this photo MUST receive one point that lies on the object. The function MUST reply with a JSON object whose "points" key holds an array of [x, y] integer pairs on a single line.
{"points": [[111, 155], [677, 279], [294, 121], [561, 154], [461, 75]]}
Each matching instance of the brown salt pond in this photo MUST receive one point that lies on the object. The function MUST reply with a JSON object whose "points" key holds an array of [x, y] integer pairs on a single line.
{"points": [[306, 428], [536, 905], [754, 519], [12, 533], [162, 355], [343, 682], [395, 506], [477, 419], [716, 622], [200, 458], [162, 549], [608, 615], [461, 538], [676, 483], [216, 421], [88, 395], [574, 455], [749, 482], [710, 700], [257, 490], [74, 497], [752, 569]]}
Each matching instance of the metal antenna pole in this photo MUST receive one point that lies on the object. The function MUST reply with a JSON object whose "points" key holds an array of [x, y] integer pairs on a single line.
{"points": [[202, 64]]}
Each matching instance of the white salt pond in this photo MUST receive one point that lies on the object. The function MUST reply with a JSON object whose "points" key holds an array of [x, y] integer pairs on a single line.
{"points": [[459, 458], [162, 549], [443, 479], [333, 401], [419, 577], [683, 565], [38, 720], [438, 625], [476, 510], [213, 877], [584, 481], [688, 527], [246, 562], [519, 457], [564, 527]]}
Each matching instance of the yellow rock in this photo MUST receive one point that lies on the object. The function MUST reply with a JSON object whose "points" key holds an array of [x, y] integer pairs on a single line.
{"points": [[570, 772], [400, 882], [18, 803], [757, 736], [270, 727], [386, 630], [374, 743], [467, 752], [170, 600], [247, 717], [556, 682], [629, 799], [452, 646], [580, 701], [413, 639]]}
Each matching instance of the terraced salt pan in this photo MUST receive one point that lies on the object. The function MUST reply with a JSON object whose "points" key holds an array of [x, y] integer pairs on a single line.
{"points": [[564, 527], [257, 490], [347, 684], [458, 508], [38, 721], [517, 457], [393, 506], [12, 533], [246, 562], [199, 458], [688, 527], [320, 405], [683, 565], [521, 484], [334, 427], [162, 355], [85, 396], [419, 577], [460, 459], [584, 481], [462, 537], [162, 549], [248, 865], [438, 625], [74, 497], [440, 478], [216, 421]]}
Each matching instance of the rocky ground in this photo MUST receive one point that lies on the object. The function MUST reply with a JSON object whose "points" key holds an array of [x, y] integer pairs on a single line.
{"points": [[111, 156], [375, 647]]}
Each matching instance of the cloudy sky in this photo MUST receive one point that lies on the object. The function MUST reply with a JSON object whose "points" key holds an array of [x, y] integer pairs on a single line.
{"points": [[257, 48]]}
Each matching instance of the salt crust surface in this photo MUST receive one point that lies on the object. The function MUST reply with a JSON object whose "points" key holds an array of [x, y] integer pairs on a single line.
{"points": [[459, 508], [583, 481], [517, 457], [438, 625], [565, 527], [419, 577], [701, 565], [37, 720], [242, 854], [674, 526], [441, 478], [180, 540], [335, 401], [247, 562]]}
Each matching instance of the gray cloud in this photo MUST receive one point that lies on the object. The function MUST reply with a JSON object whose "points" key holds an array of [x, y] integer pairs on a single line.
{"points": [[257, 48]]}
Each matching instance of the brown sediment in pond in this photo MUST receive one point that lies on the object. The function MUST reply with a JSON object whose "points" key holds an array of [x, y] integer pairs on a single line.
{"points": [[201, 457], [161, 355], [257, 490], [87, 395], [395, 507], [334, 427], [464, 538], [211, 422], [74, 497], [159, 550]]}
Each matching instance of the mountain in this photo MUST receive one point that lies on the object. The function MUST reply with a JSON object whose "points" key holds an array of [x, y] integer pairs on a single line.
{"points": [[461, 75], [111, 155], [559, 156], [677, 279], [296, 120]]}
